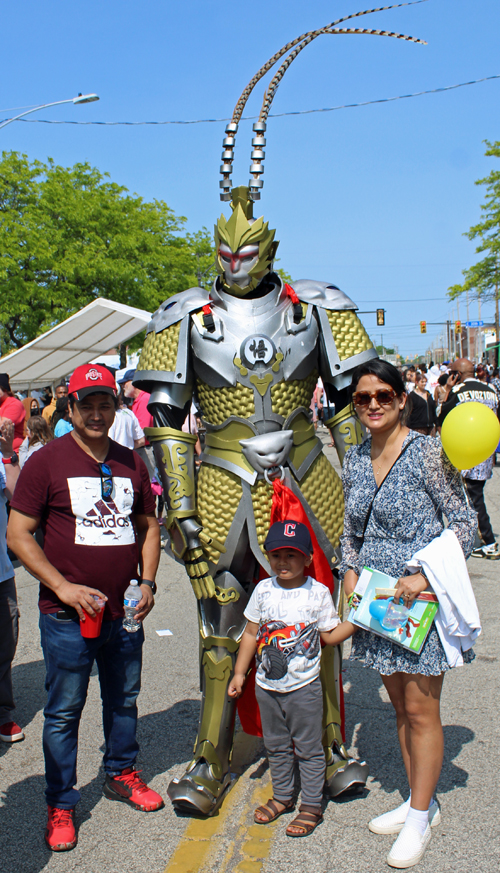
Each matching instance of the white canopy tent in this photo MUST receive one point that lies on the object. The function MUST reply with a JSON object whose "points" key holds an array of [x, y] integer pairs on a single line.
{"points": [[99, 327]]}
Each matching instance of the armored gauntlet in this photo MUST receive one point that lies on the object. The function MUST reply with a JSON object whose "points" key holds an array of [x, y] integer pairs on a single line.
{"points": [[174, 455]]}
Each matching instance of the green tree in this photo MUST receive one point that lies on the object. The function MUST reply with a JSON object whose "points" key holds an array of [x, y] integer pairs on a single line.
{"points": [[283, 274], [202, 248], [69, 235], [483, 278]]}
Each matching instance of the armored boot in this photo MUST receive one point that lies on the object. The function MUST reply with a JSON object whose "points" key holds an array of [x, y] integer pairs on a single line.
{"points": [[342, 772], [208, 778]]}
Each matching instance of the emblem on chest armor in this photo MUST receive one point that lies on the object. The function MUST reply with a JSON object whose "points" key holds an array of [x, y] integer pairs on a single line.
{"points": [[257, 349]]}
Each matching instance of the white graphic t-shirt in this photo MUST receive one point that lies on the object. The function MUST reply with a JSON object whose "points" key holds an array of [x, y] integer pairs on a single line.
{"points": [[100, 522], [290, 621]]}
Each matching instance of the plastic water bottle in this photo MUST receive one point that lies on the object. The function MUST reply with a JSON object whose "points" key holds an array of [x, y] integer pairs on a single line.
{"points": [[395, 617], [131, 599]]}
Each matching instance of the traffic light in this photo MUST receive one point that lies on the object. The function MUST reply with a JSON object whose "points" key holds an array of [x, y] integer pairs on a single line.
{"points": [[380, 317], [423, 327], [458, 327]]}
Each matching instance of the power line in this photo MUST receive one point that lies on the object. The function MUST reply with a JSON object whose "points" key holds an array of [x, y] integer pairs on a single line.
{"points": [[15, 108], [420, 300], [271, 115]]}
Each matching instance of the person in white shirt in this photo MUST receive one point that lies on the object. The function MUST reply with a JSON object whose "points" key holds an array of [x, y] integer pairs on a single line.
{"points": [[126, 429], [287, 616]]}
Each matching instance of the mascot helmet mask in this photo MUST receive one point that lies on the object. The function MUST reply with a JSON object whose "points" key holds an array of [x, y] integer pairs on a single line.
{"points": [[245, 246]]}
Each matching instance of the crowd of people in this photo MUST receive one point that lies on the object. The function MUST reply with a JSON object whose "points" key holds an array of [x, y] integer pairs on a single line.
{"points": [[431, 397], [88, 483], [432, 392]]}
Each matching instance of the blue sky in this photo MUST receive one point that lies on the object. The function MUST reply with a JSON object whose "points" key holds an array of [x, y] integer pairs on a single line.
{"points": [[375, 199]]}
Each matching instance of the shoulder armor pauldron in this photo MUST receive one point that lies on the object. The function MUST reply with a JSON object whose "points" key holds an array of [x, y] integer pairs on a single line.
{"points": [[176, 307], [322, 294]]}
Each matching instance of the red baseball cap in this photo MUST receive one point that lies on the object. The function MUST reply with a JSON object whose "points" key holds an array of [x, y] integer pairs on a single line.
{"points": [[91, 379]]}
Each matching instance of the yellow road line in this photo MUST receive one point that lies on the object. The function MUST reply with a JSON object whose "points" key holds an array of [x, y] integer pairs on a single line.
{"points": [[257, 846], [198, 842]]}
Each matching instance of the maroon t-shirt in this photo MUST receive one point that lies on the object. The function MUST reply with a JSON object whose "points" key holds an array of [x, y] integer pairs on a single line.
{"points": [[91, 540]]}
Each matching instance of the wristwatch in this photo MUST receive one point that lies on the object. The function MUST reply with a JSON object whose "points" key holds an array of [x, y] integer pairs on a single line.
{"points": [[151, 584], [14, 459]]}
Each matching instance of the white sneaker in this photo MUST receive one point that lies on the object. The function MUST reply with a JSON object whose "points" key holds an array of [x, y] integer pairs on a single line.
{"points": [[409, 847], [392, 822], [491, 552]]}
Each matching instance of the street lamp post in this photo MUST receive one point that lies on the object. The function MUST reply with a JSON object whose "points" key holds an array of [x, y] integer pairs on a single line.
{"points": [[81, 98]]}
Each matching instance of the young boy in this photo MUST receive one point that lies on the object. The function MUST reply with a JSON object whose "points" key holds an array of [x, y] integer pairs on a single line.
{"points": [[287, 616]]}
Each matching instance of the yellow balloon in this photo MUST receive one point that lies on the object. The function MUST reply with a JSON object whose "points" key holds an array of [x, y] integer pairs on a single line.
{"points": [[470, 434]]}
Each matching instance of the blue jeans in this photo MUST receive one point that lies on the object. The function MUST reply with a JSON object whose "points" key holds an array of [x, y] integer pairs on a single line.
{"points": [[69, 658]]}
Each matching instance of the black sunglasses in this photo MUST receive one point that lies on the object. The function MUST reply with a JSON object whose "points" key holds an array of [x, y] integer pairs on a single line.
{"points": [[106, 481]]}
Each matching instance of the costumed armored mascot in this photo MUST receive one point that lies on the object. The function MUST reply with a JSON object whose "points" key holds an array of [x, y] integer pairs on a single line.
{"points": [[250, 351]]}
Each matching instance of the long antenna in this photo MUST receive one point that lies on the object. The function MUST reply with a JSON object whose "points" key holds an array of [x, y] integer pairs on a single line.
{"points": [[259, 141]]}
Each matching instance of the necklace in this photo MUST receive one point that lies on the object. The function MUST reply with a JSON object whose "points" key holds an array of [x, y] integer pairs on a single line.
{"points": [[377, 465]]}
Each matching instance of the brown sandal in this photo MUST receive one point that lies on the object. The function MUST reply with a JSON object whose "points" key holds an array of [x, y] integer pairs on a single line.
{"points": [[271, 811], [308, 819]]}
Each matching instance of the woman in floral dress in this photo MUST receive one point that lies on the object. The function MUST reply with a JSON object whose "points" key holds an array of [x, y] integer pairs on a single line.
{"points": [[406, 515]]}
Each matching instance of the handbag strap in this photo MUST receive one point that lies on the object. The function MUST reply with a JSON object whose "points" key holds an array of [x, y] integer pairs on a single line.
{"points": [[368, 514]]}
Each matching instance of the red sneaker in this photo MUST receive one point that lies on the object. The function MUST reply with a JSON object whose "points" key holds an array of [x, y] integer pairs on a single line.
{"points": [[60, 834], [130, 788], [11, 732]]}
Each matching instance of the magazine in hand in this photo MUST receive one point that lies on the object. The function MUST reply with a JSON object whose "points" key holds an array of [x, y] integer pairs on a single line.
{"points": [[374, 609]]}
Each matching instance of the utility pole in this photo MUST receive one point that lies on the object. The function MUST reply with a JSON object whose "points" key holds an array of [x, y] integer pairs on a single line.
{"points": [[468, 319], [460, 334], [497, 326], [479, 332]]}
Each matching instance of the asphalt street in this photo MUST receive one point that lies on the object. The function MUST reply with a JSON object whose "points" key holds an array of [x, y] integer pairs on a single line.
{"points": [[113, 838]]}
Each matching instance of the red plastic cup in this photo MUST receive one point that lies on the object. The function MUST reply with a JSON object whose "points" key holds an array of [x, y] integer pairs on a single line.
{"points": [[91, 627]]}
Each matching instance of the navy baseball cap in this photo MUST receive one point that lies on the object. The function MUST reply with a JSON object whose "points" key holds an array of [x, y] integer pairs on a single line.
{"points": [[127, 377], [289, 535]]}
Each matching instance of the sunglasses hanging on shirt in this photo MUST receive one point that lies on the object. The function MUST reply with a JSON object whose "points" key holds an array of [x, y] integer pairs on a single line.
{"points": [[106, 481]]}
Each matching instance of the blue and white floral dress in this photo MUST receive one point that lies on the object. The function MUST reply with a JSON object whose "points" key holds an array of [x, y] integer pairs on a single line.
{"points": [[407, 514]]}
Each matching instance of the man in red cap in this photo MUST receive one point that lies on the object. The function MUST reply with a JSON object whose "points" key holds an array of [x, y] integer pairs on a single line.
{"points": [[93, 500]]}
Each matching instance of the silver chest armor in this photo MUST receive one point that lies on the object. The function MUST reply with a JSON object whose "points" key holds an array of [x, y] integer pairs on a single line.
{"points": [[255, 343], [254, 338]]}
